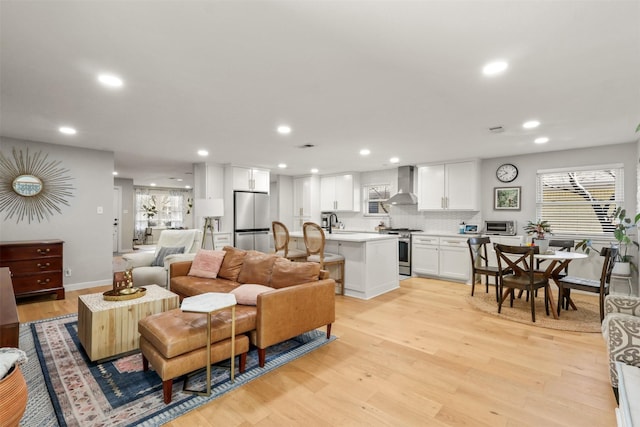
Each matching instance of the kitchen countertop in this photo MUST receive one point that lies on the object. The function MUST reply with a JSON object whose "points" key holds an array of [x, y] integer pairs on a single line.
{"points": [[350, 236]]}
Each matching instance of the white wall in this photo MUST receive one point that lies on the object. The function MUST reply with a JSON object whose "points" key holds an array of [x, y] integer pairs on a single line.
{"points": [[529, 164], [87, 235]]}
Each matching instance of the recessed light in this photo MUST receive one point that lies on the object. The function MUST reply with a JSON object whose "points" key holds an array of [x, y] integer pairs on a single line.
{"points": [[187, 186], [115, 173], [531, 124], [284, 130], [365, 152], [179, 179], [541, 140], [153, 184], [110, 80], [203, 153], [394, 160], [67, 130], [282, 165], [314, 170], [493, 68]]}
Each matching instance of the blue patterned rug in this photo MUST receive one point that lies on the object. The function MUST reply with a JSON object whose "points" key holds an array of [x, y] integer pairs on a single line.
{"points": [[67, 389]]}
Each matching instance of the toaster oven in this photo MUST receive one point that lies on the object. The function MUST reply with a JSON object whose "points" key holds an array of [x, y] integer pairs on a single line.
{"points": [[500, 228]]}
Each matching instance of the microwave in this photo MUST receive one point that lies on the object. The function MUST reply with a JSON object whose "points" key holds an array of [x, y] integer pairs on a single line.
{"points": [[500, 228]]}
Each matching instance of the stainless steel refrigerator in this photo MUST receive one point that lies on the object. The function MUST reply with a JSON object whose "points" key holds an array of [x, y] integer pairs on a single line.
{"points": [[251, 220]]}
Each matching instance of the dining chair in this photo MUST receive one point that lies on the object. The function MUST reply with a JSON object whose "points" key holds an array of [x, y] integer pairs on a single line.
{"points": [[600, 287], [480, 263], [516, 271], [561, 245], [281, 243], [314, 241]]}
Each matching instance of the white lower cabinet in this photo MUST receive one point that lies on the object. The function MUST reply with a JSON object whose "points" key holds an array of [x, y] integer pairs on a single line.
{"points": [[440, 256]]}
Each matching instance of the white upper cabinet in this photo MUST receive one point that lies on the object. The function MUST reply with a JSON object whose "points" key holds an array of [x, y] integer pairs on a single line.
{"points": [[449, 186], [306, 200], [250, 179], [340, 193]]}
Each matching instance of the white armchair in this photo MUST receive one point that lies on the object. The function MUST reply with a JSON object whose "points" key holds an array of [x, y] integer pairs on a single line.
{"points": [[144, 273], [621, 330]]}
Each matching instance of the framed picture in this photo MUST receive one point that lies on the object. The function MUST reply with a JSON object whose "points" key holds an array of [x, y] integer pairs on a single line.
{"points": [[506, 198]]}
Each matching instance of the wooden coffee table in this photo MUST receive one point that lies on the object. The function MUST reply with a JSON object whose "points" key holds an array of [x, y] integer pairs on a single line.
{"points": [[110, 328]]}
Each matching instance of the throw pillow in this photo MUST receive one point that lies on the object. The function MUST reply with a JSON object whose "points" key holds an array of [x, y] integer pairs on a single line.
{"points": [[163, 252], [206, 263], [232, 263], [248, 294]]}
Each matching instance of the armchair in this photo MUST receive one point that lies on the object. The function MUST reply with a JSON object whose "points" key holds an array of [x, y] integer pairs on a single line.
{"points": [[621, 331], [144, 273]]}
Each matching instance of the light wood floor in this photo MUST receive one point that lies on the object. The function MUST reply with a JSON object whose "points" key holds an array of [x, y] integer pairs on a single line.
{"points": [[418, 356]]}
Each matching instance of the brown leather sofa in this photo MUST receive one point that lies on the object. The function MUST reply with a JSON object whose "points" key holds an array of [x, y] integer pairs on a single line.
{"points": [[302, 299]]}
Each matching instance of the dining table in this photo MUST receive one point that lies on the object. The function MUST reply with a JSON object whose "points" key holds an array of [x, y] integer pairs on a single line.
{"points": [[558, 262]]}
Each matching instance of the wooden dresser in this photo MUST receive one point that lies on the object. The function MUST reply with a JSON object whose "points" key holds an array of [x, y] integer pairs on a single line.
{"points": [[36, 266]]}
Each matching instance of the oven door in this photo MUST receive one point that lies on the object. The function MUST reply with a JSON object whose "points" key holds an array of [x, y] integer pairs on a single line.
{"points": [[404, 255]]}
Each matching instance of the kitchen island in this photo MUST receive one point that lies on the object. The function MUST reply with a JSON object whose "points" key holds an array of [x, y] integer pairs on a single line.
{"points": [[371, 261]]}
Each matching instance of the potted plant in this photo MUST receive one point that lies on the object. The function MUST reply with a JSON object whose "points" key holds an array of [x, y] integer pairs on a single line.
{"points": [[621, 233], [539, 229]]}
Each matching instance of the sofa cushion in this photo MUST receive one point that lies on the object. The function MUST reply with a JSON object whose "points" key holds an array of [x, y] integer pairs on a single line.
{"points": [[256, 268], [247, 294], [163, 252], [206, 263], [188, 286], [287, 273], [232, 263]]}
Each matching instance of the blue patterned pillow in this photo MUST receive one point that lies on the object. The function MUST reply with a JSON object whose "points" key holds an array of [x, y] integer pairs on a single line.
{"points": [[163, 252]]}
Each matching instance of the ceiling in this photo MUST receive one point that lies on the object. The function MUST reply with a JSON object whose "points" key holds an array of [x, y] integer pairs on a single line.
{"points": [[401, 78]]}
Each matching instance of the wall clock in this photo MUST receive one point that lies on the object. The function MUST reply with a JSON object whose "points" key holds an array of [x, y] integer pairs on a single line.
{"points": [[506, 172]]}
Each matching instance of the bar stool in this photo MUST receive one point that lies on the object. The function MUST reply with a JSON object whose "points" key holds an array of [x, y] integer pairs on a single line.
{"points": [[281, 243], [314, 241]]}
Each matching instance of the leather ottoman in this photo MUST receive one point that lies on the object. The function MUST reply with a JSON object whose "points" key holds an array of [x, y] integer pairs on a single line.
{"points": [[174, 342]]}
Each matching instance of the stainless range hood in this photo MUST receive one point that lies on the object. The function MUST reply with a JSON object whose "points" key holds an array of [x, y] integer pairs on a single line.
{"points": [[405, 194]]}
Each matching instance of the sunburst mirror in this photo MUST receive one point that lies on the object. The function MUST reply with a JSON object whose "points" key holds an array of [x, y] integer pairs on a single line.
{"points": [[32, 187]]}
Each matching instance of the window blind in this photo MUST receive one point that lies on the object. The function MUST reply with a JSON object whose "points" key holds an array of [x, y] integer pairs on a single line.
{"points": [[580, 201]]}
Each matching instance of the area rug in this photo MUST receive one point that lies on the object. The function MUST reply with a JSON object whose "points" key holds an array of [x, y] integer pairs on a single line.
{"points": [[585, 319], [78, 392]]}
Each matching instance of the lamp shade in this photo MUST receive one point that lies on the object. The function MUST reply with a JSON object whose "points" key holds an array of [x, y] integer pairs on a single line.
{"points": [[210, 207]]}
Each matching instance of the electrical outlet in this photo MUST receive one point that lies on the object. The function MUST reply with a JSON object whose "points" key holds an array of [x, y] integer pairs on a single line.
{"points": [[67, 272]]}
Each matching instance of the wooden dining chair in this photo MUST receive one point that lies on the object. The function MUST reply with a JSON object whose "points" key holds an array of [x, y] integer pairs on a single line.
{"points": [[600, 287], [314, 241], [561, 245], [516, 271], [480, 263], [281, 243]]}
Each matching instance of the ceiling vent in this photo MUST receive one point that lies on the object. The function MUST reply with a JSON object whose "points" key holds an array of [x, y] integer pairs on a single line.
{"points": [[496, 129]]}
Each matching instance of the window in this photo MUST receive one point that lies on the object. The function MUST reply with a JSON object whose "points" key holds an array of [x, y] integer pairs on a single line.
{"points": [[160, 208], [580, 200], [375, 200]]}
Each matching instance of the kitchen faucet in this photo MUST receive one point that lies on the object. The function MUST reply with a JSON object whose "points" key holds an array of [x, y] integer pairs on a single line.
{"points": [[331, 223]]}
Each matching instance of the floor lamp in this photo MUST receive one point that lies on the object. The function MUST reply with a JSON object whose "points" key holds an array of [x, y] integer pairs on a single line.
{"points": [[210, 209]]}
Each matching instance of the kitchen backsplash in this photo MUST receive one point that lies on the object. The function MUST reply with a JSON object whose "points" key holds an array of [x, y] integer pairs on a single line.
{"points": [[408, 216]]}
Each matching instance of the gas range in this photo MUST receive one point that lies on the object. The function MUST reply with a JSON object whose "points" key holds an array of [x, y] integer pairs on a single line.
{"points": [[404, 248]]}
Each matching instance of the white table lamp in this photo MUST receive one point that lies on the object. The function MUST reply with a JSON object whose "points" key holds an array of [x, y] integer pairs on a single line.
{"points": [[209, 209]]}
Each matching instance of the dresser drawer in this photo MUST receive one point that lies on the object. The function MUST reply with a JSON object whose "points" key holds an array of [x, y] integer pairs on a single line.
{"points": [[30, 251], [31, 266], [36, 282]]}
